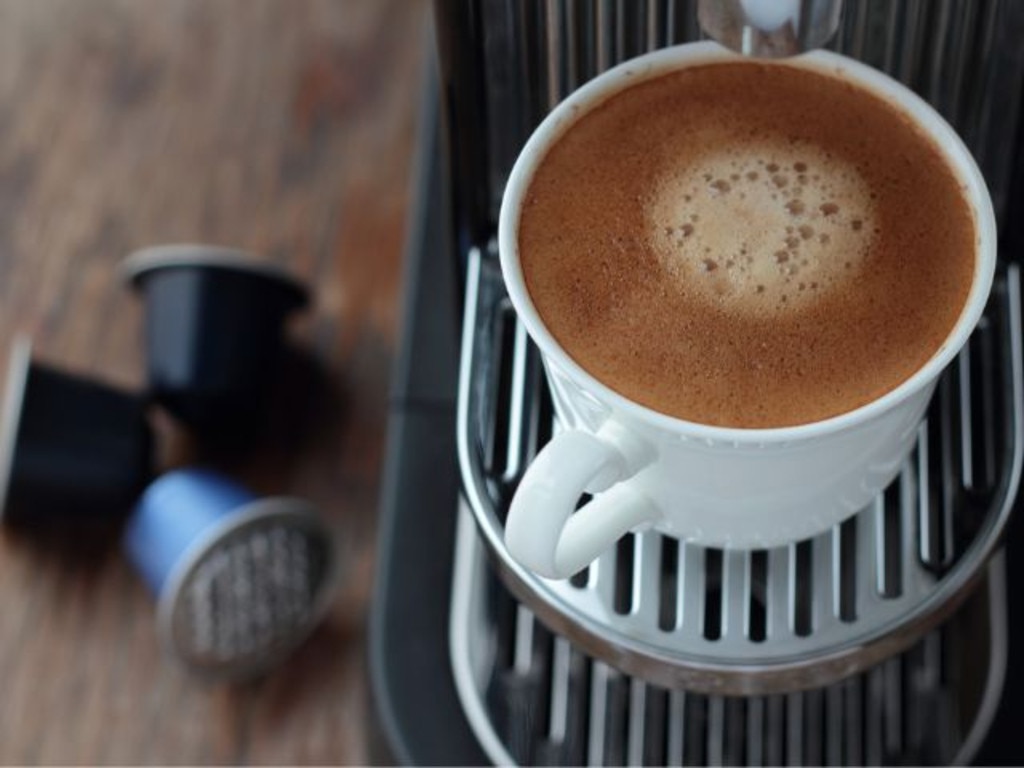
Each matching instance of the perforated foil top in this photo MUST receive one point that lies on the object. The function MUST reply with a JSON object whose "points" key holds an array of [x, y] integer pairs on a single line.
{"points": [[251, 591]]}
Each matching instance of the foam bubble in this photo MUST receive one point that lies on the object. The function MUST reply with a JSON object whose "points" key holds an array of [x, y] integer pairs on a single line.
{"points": [[759, 231]]}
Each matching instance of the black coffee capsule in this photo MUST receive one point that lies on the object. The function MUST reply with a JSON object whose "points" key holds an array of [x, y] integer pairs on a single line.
{"points": [[214, 331], [71, 449]]}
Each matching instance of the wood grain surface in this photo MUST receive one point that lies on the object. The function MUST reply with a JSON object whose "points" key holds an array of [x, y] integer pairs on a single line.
{"points": [[285, 127]]}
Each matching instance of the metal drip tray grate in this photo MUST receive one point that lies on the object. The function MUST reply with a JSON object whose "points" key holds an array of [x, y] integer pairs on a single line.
{"points": [[739, 622], [534, 698]]}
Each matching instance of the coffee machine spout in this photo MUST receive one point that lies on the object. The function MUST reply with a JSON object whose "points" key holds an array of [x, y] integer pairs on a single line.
{"points": [[770, 28]]}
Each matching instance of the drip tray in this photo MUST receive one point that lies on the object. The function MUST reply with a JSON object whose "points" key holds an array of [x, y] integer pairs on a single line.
{"points": [[532, 697], [765, 621]]}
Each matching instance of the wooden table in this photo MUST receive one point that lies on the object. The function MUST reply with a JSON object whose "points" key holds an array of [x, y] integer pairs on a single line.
{"points": [[285, 127]]}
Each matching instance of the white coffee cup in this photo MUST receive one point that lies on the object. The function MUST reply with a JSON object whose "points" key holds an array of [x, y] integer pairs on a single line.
{"points": [[716, 486]]}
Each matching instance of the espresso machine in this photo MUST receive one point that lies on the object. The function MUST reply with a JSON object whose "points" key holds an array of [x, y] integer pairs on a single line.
{"points": [[894, 638]]}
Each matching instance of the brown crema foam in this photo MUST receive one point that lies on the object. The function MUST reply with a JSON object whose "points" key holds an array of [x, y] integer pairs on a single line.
{"points": [[747, 244]]}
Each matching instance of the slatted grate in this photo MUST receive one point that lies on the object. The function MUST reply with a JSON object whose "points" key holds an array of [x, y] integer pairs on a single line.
{"points": [[800, 615], [535, 698]]}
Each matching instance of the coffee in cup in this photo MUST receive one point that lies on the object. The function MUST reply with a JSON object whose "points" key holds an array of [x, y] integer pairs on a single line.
{"points": [[747, 244], [744, 279]]}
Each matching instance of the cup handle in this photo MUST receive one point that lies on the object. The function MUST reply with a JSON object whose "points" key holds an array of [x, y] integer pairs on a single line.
{"points": [[542, 532]]}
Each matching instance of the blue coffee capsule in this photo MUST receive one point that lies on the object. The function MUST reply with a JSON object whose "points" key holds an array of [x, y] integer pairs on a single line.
{"points": [[214, 332], [240, 580], [72, 450]]}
